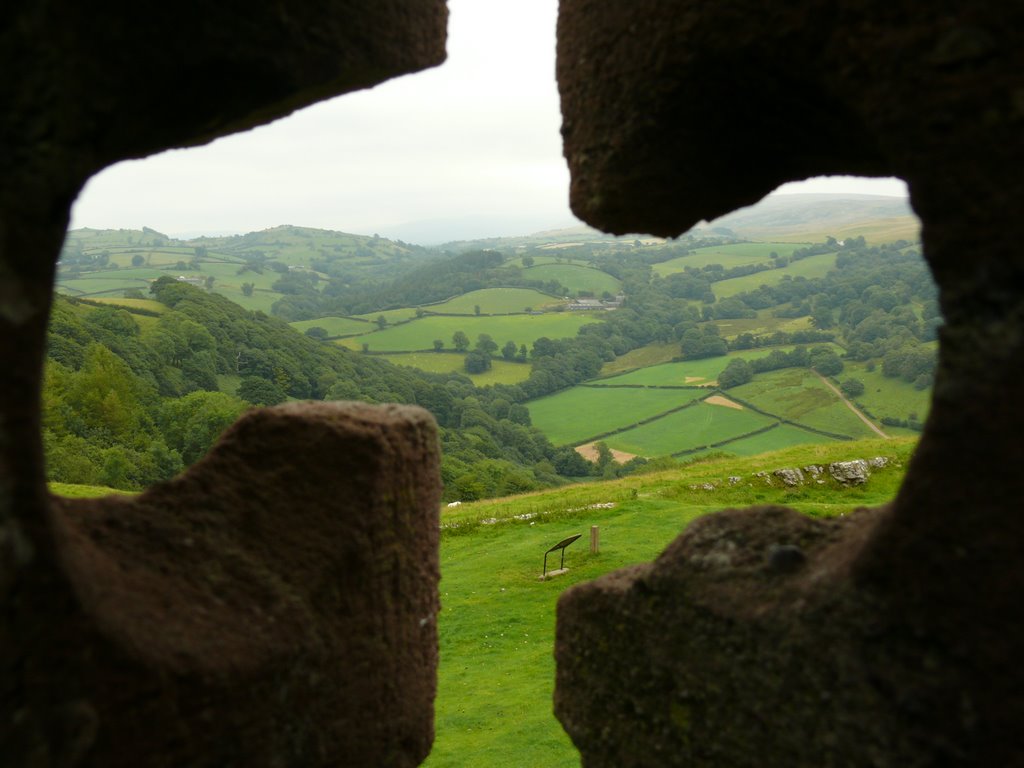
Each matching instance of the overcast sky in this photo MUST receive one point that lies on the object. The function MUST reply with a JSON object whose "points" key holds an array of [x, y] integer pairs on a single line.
{"points": [[472, 146]]}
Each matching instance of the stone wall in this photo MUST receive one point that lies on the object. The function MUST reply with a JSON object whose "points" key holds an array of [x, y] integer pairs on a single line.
{"points": [[276, 605], [894, 638]]}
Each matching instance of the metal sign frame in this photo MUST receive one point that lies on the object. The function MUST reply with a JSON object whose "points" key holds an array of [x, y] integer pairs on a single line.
{"points": [[560, 545]]}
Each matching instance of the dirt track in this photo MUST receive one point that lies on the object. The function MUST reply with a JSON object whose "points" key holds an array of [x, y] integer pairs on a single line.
{"points": [[852, 407]]}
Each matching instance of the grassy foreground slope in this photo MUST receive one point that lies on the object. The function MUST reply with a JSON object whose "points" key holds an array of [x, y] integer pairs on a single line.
{"points": [[496, 675], [497, 622]]}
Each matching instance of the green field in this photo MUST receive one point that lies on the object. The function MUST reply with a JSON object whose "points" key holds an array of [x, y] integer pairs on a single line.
{"points": [[496, 677], [502, 371], [335, 326], [651, 354], [522, 329], [497, 621], [887, 397], [812, 266], [391, 315], [150, 305], [494, 301], [575, 278], [576, 414], [782, 436], [763, 324], [695, 427], [798, 394], [700, 372], [731, 255]]}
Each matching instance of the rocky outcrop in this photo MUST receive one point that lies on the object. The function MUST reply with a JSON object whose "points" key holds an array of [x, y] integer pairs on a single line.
{"points": [[275, 606], [896, 643], [854, 472]]}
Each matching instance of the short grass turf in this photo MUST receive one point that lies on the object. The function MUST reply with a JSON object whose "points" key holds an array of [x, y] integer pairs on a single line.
{"points": [[651, 354], [775, 439], [811, 267], [522, 329], [497, 620], [577, 414], [502, 371], [798, 394], [674, 374], [494, 301], [574, 277], [335, 326], [732, 255], [887, 397], [695, 427]]}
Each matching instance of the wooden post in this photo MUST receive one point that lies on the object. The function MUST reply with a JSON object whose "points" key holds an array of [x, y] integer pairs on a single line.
{"points": [[595, 539]]}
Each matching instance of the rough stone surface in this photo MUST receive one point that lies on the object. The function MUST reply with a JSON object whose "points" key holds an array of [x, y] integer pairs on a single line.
{"points": [[275, 605], [790, 476], [898, 643], [222, 620], [855, 472]]}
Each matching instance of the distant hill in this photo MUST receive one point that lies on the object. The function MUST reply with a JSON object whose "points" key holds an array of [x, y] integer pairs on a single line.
{"points": [[813, 217]]}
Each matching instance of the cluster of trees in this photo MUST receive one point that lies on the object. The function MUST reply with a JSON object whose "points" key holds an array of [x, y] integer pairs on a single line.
{"points": [[824, 360], [127, 406]]}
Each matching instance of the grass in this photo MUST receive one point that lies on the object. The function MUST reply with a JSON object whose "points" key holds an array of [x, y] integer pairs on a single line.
{"points": [[575, 277], [70, 491], [335, 326], [151, 305], [576, 414], [798, 394], [496, 676], [732, 255], [782, 436], [812, 266], [652, 354], [494, 301], [391, 315], [502, 371], [522, 329], [673, 374], [691, 428], [764, 323], [497, 620], [887, 397]]}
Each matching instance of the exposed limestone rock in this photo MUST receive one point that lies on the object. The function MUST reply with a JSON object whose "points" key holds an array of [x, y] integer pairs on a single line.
{"points": [[878, 462], [853, 472], [790, 477], [735, 480], [898, 642], [814, 470]]}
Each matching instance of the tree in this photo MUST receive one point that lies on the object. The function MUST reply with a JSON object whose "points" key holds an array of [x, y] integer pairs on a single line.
{"points": [[852, 387], [382, 322], [138, 260], [438, 345], [826, 362], [736, 372], [316, 332], [460, 341], [209, 282], [247, 289], [508, 352], [260, 391], [485, 344], [527, 261], [477, 361], [476, 309]]}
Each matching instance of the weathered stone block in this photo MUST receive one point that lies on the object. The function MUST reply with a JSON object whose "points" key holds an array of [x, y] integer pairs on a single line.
{"points": [[276, 605]]}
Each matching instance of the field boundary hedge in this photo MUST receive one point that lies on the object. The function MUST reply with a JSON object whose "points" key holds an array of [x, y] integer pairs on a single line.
{"points": [[783, 420]]}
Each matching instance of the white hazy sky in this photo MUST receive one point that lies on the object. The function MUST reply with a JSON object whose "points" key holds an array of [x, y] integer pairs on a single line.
{"points": [[475, 140]]}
